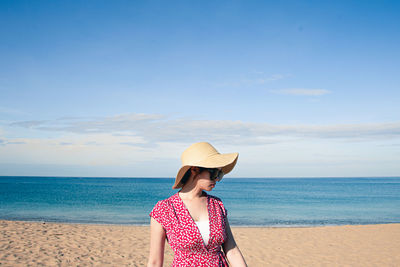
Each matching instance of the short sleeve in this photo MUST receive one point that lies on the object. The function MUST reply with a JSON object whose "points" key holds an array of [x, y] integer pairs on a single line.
{"points": [[219, 202], [159, 213], [224, 210]]}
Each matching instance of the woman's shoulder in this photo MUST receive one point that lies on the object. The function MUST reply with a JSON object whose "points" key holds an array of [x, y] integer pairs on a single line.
{"points": [[215, 199], [217, 202], [162, 207], [162, 210]]}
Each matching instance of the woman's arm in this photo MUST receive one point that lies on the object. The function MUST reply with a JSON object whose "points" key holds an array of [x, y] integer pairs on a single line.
{"points": [[231, 250], [157, 244]]}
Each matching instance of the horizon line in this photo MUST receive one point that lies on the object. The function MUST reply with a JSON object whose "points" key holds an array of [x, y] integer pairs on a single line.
{"points": [[154, 177]]}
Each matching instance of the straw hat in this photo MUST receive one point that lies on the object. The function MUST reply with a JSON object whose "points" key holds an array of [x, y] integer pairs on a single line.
{"points": [[204, 155]]}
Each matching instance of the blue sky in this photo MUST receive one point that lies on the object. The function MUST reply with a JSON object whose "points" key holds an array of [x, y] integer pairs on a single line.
{"points": [[120, 88]]}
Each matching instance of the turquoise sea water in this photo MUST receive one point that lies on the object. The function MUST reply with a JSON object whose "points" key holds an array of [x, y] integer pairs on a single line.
{"points": [[249, 201]]}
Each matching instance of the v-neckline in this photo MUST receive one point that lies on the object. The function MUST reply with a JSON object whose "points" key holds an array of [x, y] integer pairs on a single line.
{"points": [[194, 222]]}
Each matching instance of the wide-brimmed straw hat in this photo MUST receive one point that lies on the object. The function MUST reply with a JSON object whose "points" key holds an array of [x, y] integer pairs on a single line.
{"points": [[204, 155]]}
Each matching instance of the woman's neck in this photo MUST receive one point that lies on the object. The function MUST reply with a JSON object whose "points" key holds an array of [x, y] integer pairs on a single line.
{"points": [[191, 194]]}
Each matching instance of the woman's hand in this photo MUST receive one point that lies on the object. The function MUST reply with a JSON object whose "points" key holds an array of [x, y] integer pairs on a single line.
{"points": [[157, 244], [231, 250]]}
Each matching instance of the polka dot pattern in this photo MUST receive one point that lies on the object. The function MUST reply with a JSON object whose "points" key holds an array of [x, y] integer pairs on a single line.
{"points": [[184, 237]]}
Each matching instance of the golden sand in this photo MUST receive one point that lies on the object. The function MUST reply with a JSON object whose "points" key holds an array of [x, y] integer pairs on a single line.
{"points": [[53, 244]]}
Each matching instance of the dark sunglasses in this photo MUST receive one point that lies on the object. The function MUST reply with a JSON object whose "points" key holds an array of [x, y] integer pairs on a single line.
{"points": [[215, 174]]}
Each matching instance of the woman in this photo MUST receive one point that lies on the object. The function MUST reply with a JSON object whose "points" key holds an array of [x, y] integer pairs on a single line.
{"points": [[194, 223]]}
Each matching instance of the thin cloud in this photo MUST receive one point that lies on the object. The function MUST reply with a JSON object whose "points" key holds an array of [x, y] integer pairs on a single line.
{"points": [[92, 143], [139, 145], [391, 145], [153, 128], [265, 79], [124, 122], [16, 143], [12, 111], [4, 142], [301, 91], [30, 124], [259, 78], [65, 143]]}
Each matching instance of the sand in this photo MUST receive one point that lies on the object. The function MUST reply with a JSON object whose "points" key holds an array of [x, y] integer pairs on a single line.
{"points": [[53, 244]]}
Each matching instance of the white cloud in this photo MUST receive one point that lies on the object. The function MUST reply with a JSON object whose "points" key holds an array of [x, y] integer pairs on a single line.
{"points": [[150, 145], [264, 79], [154, 128], [301, 91], [259, 78]]}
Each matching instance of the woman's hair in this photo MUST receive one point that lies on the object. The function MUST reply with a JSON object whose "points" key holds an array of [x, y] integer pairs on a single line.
{"points": [[186, 177]]}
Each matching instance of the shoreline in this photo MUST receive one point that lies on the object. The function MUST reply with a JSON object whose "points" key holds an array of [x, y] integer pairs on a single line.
{"points": [[172, 178], [233, 226], [25, 243]]}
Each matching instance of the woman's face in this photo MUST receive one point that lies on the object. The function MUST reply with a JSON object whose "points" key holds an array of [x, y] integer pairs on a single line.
{"points": [[204, 181]]}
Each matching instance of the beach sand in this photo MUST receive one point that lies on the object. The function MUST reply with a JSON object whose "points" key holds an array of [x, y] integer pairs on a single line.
{"points": [[54, 244]]}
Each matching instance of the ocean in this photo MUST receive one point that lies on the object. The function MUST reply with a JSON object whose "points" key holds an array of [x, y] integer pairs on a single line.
{"points": [[275, 202]]}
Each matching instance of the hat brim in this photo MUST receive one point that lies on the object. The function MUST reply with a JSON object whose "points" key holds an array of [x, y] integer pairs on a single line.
{"points": [[224, 161]]}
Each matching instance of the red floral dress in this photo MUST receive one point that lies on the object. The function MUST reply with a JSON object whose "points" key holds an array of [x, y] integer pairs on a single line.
{"points": [[184, 237]]}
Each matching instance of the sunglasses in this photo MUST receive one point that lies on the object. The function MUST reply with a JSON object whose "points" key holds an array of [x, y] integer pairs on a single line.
{"points": [[215, 174]]}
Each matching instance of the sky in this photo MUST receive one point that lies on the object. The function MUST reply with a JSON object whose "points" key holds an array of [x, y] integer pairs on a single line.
{"points": [[121, 88]]}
